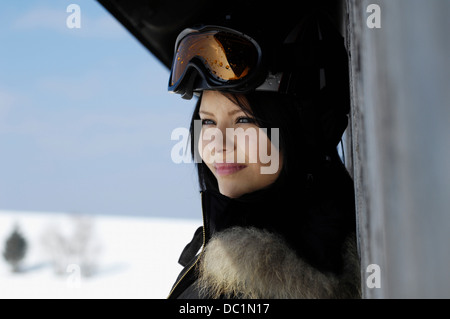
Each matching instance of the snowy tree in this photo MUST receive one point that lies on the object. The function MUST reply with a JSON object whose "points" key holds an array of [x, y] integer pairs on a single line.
{"points": [[15, 249], [75, 244]]}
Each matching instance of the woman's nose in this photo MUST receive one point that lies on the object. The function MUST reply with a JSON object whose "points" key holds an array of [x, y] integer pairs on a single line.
{"points": [[220, 142], [223, 142]]}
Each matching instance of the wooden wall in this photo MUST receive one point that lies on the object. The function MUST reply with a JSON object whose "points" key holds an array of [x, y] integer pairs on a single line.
{"points": [[398, 143]]}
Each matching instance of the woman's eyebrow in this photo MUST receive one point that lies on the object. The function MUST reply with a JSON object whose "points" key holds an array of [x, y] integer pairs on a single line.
{"points": [[229, 113], [235, 111], [204, 112]]}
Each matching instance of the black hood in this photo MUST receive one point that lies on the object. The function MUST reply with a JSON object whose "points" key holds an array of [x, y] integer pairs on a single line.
{"points": [[256, 209], [312, 221]]}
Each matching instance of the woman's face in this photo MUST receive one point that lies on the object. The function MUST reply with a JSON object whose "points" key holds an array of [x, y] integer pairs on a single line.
{"points": [[233, 146]]}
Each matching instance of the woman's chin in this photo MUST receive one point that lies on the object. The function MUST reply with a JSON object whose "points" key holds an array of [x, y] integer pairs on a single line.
{"points": [[231, 192]]}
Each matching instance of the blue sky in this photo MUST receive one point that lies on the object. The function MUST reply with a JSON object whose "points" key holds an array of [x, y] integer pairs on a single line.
{"points": [[85, 117]]}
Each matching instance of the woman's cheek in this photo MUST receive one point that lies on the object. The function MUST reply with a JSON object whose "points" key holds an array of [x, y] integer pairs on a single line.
{"points": [[205, 146], [247, 146]]}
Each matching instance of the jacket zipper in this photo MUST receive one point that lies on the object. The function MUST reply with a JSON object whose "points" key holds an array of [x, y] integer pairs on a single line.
{"points": [[199, 255]]}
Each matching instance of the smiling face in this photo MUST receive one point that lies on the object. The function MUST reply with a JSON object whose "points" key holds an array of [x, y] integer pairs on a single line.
{"points": [[231, 145]]}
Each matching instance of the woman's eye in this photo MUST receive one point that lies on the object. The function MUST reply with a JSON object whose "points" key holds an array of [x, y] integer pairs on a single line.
{"points": [[207, 122], [245, 120]]}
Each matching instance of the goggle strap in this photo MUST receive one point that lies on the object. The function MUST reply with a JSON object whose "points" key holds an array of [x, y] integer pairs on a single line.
{"points": [[189, 85], [271, 83]]}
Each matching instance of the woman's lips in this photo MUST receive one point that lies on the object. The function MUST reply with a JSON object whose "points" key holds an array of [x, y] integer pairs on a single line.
{"points": [[223, 169]]}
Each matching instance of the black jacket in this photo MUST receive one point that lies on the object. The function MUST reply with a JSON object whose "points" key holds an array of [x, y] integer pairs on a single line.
{"points": [[309, 239]]}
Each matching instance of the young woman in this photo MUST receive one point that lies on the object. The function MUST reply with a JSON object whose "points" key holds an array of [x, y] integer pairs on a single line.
{"points": [[278, 204]]}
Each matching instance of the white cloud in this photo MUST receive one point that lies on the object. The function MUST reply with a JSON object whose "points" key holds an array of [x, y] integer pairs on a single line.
{"points": [[8, 100], [103, 27], [74, 88], [88, 135], [81, 132], [42, 18], [54, 19]]}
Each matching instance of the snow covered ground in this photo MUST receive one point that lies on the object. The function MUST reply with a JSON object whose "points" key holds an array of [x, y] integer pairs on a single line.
{"points": [[135, 257]]}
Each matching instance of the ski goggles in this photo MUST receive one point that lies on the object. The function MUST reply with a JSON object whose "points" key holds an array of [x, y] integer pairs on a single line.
{"points": [[215, 57]]}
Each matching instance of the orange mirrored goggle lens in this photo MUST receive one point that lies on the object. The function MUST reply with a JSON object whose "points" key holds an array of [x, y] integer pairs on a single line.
{"points": [[227, 56]]}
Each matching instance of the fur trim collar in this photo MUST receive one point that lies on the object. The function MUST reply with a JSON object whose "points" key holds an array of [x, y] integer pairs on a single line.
{"points": [[254, 263]]}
